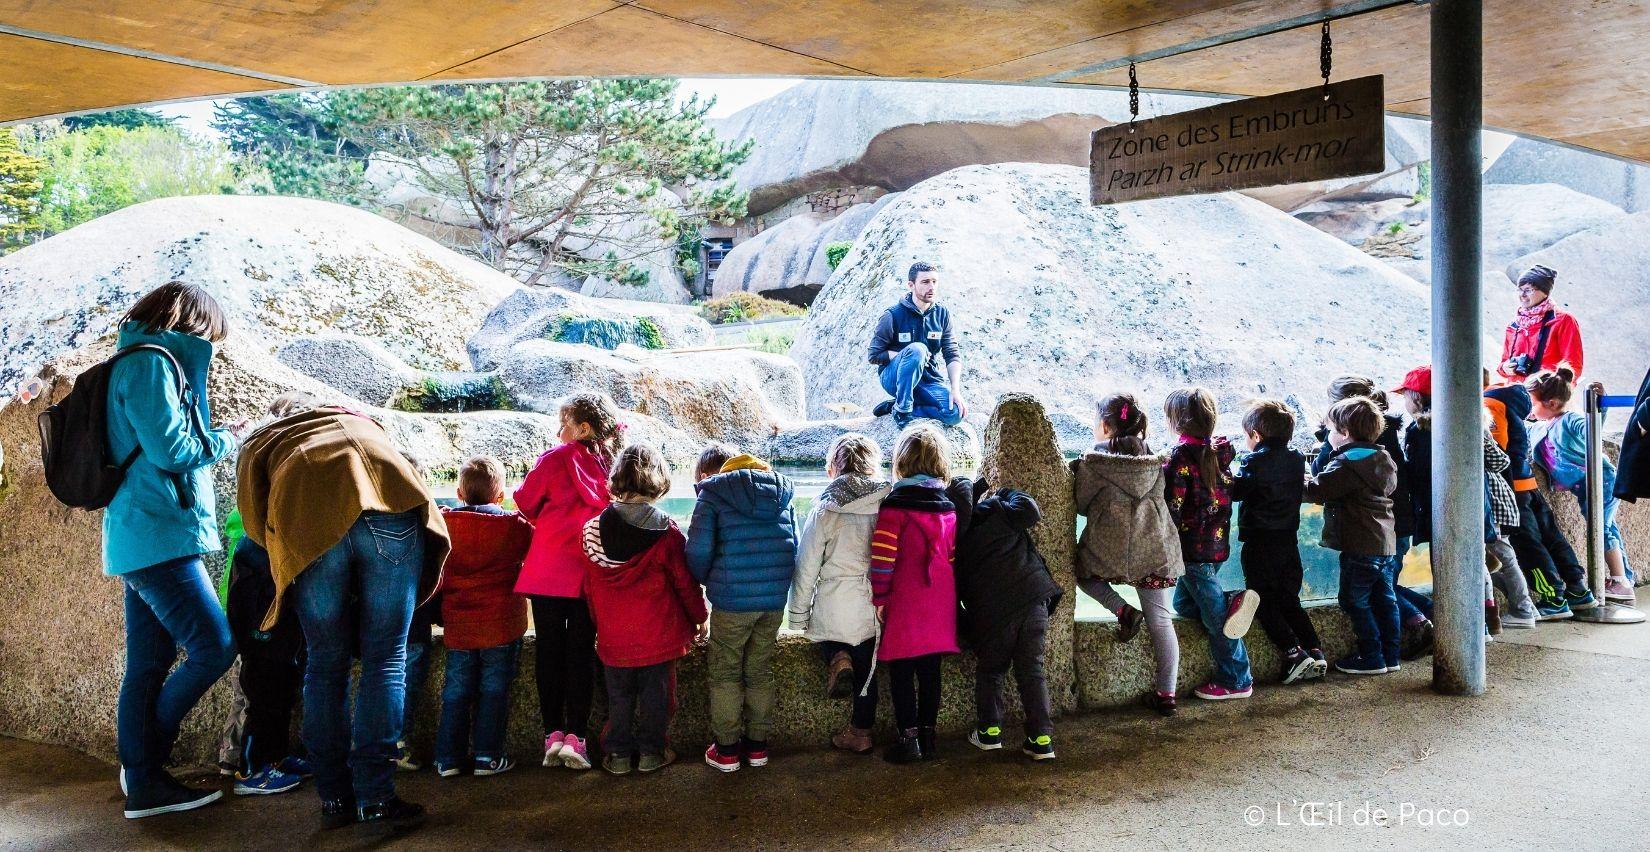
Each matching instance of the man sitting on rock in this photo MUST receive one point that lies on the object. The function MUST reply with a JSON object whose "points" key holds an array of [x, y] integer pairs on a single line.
{"points": [[910, 340]]}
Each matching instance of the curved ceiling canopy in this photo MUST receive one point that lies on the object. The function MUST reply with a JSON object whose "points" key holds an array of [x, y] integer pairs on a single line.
{"points": [[1569, 72]]}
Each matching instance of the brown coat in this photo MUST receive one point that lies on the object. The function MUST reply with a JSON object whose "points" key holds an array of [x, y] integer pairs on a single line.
{"points": [[304, 481], [1129, 535]]}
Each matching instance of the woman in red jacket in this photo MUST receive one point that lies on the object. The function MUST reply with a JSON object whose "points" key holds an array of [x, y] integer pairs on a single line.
{"points": [[647, 607], [566, 488], [1541, 337]]}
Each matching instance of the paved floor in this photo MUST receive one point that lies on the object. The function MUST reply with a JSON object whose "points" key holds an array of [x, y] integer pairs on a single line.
{"points": [[1549, 757]]}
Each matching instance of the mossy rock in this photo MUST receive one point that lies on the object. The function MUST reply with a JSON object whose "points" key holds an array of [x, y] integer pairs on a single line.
{"points": [[455, 392]]}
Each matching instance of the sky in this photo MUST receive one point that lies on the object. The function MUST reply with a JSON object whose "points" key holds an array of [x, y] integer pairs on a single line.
{"points": [[732, 95]]}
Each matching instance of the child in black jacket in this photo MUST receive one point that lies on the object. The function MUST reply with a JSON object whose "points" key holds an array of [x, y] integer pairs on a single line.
{"points": [[1007, 596], [1268, 490]]}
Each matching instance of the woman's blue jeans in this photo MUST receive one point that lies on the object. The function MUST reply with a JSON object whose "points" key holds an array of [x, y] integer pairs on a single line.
{"points": [[364, 585], [168, 605]]}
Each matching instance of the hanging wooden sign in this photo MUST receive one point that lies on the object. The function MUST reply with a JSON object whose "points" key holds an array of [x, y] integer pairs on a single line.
{"points": [[1292, 137]]}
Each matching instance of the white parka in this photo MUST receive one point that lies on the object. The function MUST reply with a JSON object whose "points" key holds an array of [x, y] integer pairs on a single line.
{"points": [[831, 593]]}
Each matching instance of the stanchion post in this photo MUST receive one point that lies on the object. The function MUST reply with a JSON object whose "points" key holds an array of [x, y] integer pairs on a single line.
{"points": [[1605, 612]]}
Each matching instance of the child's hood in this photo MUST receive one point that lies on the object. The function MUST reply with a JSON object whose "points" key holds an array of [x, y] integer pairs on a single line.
{"points": [[753, 492], [1515, 397], [1372, 464], [852, 494], [1136, 476], [617, 574]]}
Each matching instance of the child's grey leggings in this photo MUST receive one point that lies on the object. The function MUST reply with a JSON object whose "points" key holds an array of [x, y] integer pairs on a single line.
{"points": [[1155, 604]]}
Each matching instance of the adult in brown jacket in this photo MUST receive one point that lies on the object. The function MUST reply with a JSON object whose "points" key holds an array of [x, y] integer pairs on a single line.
{"points": [[352, 531]]}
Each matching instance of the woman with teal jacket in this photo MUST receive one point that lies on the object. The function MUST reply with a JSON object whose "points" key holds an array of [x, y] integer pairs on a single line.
{"points": [[155, 531]]}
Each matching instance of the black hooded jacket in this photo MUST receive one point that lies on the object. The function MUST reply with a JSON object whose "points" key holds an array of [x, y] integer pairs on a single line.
{"points": [[1268, 490], [999, 572]]}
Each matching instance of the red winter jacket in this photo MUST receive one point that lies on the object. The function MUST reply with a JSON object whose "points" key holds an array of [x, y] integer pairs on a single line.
{"points": [[1563, 344], [567, 486], [478, 607], [645, 609]]}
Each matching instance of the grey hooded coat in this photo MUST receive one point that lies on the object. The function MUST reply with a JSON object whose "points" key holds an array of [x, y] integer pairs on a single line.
{"points": [[1129, 534]]}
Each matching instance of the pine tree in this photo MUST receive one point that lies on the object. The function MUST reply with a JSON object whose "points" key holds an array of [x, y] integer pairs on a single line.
{"points": [[20, 186]]}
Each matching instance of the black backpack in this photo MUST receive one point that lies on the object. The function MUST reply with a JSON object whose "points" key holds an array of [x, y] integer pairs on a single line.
{"points": [[74, 437]]}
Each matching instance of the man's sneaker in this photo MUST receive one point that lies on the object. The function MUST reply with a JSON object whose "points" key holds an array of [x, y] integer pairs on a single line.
{"points": [[404, 759], [1298, 666], [1392, 668], [1215, 692], [493, 766], [1163, 705], [268, 781], [294, 765], [1240, 613], [883, 408], [552, 748], [166, 797], [396, 813], [337, 813], [755, 752], [616, 764], [1415, 641], [1517, 621], [1616, 589], [1553, 612], [655, 762], [903, 419], [1356, 665], [722, 761], [988, 738], [1128, 623], [1040, 747], [448, 770], [1581, 599], [839, 680], [574, 752]]}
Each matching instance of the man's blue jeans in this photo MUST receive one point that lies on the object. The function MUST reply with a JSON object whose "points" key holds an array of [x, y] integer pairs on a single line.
{"points": [[365, 584], [168, 605], [1199, 595], [479, 680], [1371, 603], [902, 378], [1411, 604]]}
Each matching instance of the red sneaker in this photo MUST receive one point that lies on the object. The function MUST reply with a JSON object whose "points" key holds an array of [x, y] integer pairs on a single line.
{"points": [[756, 753], [720, 760], [1212, 691]]}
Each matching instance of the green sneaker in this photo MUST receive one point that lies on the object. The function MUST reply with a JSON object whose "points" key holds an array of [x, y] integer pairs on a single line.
{"points": [[655, 762], [616, 764], [1040, 747], [987, 738], [1580, 599]]}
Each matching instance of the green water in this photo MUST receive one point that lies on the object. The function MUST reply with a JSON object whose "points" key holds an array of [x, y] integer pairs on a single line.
{"points": [[1321, 575]]}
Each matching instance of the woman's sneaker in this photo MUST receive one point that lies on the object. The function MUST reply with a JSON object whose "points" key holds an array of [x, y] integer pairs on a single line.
{"points": [[1355, 665], [552, 748], [1616, 589], [1212, 691], [269, 781], [167, 797], [493, 766], [574, 752], [1240, 613], [1040, 747], [987, 738]]}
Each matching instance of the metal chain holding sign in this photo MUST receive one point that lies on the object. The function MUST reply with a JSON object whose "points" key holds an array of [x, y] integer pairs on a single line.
{"points": [[1326, 57], [1134, 97]]}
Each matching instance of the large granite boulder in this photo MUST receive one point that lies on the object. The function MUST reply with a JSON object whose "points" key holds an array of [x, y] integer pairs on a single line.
{"points": [[1622, 183], [358, 366], [281, 268], [544, 313], [1053, 296], [789, 261], [807, 442]]}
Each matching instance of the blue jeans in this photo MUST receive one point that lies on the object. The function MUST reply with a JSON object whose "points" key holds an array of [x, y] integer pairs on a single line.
{"points": [[1612, 532], [1410, 604], [1199, 595], [365, 583], [903, 379], [1369, 599], [478, 679], [168, 605], [418, 671]]}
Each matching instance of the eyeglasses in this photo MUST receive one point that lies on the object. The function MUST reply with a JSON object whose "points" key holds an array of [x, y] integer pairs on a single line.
{"points": [[1527, 290]]}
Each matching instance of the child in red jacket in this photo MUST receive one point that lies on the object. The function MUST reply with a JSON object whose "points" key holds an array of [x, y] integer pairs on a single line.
{"points": [[484, 620], [647, 608], [565, 488]]}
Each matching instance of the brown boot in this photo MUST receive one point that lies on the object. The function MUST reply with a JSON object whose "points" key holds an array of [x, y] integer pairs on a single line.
{"points": [[856, 740], [839, 682]]}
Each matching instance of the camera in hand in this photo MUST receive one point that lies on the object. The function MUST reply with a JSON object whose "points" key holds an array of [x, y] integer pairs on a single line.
{"points": [[1523, 365]]}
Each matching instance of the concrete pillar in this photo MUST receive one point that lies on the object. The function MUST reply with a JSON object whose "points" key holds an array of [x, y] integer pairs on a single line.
{"points": [[1021, 453], [1457, 450]]}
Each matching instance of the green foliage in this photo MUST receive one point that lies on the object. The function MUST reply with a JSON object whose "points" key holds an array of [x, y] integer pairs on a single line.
{"points": [[778, 343], [558, 325], [647, 331], [20, 185], [549, 169], [101, 169], [740, 307], [455, 392], [1395, 228], [1423, 180], [298, 140], [835, 252], [688, 243], [129, 119]]}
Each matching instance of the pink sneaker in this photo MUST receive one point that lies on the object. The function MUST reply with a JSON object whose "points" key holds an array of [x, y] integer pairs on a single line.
{"points": [[1617, 589], [1215, 692], [573, 754], [552, 748], [1240, 613]]}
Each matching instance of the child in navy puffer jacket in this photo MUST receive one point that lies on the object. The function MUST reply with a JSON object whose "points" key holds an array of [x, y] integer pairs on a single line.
{"points": [[742, 547]]}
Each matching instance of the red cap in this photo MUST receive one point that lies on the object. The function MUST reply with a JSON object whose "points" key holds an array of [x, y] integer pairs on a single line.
{"points": [[1418, 380]]}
